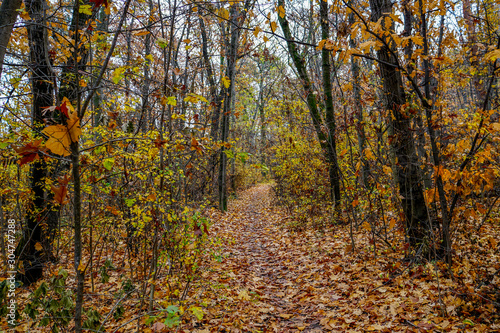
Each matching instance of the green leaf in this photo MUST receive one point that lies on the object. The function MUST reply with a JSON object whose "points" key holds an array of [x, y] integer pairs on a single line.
{"points": [[197, 311], [118, 75], [468, 322], [243, 156], [171, 321], [85, 9], [162, 42], [172, 309], [108, 163], [150, 320], [129, 202]]}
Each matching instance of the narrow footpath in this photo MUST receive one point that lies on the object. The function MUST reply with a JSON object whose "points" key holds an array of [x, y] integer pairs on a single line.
{"points": [[271, 279]]}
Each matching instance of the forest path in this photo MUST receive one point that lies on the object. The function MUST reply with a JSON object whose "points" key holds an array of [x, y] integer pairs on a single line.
{"points": [[272, 279]]}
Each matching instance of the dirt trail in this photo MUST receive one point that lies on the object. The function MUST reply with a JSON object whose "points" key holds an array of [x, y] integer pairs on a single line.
{"points": [[272, 273], [272, 279]]}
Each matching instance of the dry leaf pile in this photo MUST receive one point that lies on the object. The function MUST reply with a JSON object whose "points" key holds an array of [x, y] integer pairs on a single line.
{"points": [[276, 280]]}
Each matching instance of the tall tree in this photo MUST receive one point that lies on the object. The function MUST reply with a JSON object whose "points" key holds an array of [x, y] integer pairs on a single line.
{"points": [[327, 141], [231, 40], [403, 143], [29, 248]]}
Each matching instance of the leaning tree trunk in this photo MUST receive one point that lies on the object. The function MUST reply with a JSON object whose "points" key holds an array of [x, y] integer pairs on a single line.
{"points": [[403, 144], [8, 17], [326, 141]]}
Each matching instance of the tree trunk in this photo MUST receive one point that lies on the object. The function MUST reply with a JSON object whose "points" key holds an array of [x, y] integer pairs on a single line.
{"points": [[68, 86], [331, 145], [326, 141], [358, 110], [8, 17], [144, 121], [237, 18], [410, 186], [42, 91], [102, 25]]}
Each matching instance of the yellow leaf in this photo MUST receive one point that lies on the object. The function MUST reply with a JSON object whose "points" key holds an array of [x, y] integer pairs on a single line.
{"points": [[256, 31], [74, 128], [281, 11], [387, 170], [141, 33], [419, 40], [286, 315], [172, 100], [321, 45], [369, 154], [367, 45], [226, 81], [24, 15], [81, 267], [194, 98], [59, 139], [85, 9], [273, 26], [223, 13], [375, 327], [117, 74], [38, 246], [265, 39], [493, 55], [243, 295], [367, 226]]}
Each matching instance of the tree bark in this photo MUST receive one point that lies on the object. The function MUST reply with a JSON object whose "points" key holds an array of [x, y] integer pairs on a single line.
{"points": [[8, 17], [331, 145], [410, 186], [238, 16], [326, 141], [43, 96], [358, 110]]}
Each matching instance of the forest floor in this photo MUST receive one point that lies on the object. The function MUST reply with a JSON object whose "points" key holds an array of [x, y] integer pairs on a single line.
{"points": [[274, 279], [261, 275]]}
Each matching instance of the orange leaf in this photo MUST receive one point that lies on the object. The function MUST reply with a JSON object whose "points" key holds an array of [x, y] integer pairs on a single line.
{"points": [[59, 139], [60, 194]]}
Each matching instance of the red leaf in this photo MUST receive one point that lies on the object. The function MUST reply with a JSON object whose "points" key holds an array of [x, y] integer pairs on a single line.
{"points": [[64, 109], [159, 142], [98, 3], [29, 152]]}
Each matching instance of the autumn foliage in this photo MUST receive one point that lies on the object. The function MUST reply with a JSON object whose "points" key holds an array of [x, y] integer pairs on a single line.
{"points": [[244, 166]]}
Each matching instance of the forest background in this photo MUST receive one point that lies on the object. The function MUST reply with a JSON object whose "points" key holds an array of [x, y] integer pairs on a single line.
{"points": [[127, 126]]}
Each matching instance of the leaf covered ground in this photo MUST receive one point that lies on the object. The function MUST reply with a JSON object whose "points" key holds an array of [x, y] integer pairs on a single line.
{"points": [[274, 279], [261, 275]]}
